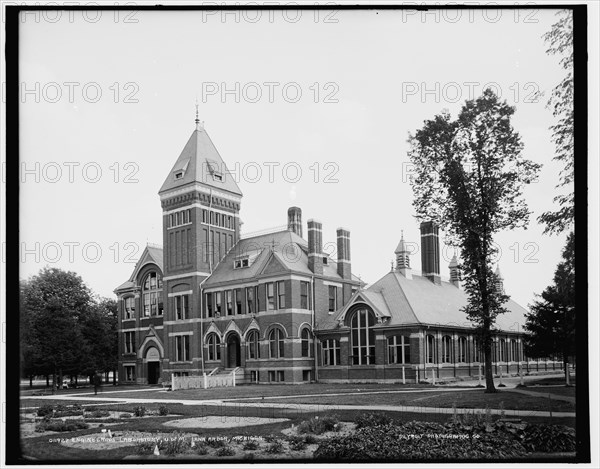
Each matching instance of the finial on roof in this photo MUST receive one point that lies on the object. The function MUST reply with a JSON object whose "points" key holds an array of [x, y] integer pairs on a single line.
{"points": [[392, 265], [199, 125]]}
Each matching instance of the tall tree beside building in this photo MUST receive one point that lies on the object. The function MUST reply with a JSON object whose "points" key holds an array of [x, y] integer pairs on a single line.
{"points": [[99, 329], [560, 43], [468, 177], [551, 322]]}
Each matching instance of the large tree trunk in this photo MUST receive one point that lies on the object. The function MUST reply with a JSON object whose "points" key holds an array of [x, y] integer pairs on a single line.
{"points": [[47, 380], [489, 373], [30, 381], [567, 375], [114, 377]]}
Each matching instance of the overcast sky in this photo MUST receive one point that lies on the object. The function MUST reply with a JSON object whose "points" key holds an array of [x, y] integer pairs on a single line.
{"points": [[366, 78]]}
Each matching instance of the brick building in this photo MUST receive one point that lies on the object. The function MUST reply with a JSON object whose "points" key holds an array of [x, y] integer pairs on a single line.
{"points": [[276, 309]]}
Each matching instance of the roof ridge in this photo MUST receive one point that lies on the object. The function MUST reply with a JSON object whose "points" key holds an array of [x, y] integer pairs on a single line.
{"points": [[394, 274]]}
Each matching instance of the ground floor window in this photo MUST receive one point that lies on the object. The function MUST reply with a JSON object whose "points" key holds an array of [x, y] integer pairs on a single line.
{"points": [[276, 376], [214, 347], [462, 349], [446, 349], [182, 348], [430, 349], [331, 352], [399, 349], [129, 372], [363, 337], [129, 342]]}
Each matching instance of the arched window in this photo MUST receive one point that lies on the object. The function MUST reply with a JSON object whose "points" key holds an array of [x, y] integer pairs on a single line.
{"points": [[276, 345], [129, 306], [363, 337], [152, 294], [399, 349], [306, 342], [446, 349], [462, 350], [253, 346], [430, 349], [214, 347]]}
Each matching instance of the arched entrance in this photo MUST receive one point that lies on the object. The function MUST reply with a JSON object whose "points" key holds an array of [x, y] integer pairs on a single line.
{"points": [[152, 365], [233, 351]]}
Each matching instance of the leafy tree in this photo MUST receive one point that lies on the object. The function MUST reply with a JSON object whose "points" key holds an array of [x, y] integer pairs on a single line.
{"points": [[560, 42], [99, 327], [469, 175], [551, 322], [52, 304]]}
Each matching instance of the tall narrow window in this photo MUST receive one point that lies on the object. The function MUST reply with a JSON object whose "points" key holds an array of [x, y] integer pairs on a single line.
{"points": [[208, 298], [363, 337], [515, 350], [250, 300], [218, 303], [399, 349], [276, 344], [477, 350], [331, 352], [281, 295], [332, 298], [214, 347], [431, 349], [257, 296], [129, 304], [181, 307], [238, 300], [152, 293], [182, 348], [462, 349], [304, 299], [270, 296], [229, 300], [129, 342], [502, 350], [446, 349], [306, 349], [253, 345]]}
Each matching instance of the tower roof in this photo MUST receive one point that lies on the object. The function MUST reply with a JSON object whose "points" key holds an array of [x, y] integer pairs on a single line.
{"points": [[401, 246], [200, 162]]}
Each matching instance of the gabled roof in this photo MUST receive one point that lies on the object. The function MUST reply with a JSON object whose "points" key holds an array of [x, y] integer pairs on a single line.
{"points": [[420, 301], [199, 161], [150, 255]]}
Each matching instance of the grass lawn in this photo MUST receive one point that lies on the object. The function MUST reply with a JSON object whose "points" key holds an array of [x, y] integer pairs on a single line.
{"points": [[468, 399]]}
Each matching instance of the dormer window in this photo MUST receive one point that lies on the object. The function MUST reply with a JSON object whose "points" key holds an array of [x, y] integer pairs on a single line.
{"points": [[325, 260], [213, 169], [179, 175], [217, 177], [241, 263]]}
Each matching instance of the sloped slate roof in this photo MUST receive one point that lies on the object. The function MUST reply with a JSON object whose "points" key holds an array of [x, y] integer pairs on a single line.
{"points": [[196, 160], [150, 255], [287, 248], [420, 301]]}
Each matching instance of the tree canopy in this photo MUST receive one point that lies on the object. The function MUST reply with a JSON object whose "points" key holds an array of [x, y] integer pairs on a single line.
{"points": [[469, 178]]}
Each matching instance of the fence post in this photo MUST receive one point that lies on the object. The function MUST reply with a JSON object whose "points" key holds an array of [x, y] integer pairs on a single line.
{"points": [[479, 374], [205, 380], [173, 382], [233, 378], [403, 376]]}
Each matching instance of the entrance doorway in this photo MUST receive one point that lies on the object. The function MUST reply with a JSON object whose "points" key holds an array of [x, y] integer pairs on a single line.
{"points": [[233, 351], [153, 372]]}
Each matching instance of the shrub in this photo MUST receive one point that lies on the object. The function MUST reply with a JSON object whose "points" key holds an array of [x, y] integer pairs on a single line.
{"points": [[250, 445], [275, 447], [175, 445], [297, 443], [125, 416], [61, 426], [139, 411], [147, 447], [163, 410], [318, 425], [216, 442], [249, 456], [225, 451], [549, 438], [372, 420], [44, 410], [201, 449], [310, 439]]}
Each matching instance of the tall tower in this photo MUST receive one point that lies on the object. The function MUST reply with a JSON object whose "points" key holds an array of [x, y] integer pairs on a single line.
{"points": [[200, 203]]}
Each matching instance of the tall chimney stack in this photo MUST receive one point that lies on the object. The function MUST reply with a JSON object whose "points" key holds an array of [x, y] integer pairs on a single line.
{"points": [[315, 246], [430, 252], [343, 253], [295, 220]]}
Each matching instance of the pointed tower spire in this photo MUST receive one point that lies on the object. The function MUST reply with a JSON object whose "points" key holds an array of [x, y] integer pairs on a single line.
{"points": [[402, 258], [454, 271], [499, 282], [199, 125]]}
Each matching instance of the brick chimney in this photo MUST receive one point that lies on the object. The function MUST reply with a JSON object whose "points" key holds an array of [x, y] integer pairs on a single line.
{"points": [[343, 253], [315, 246], [430, 252], [295, 220]]}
